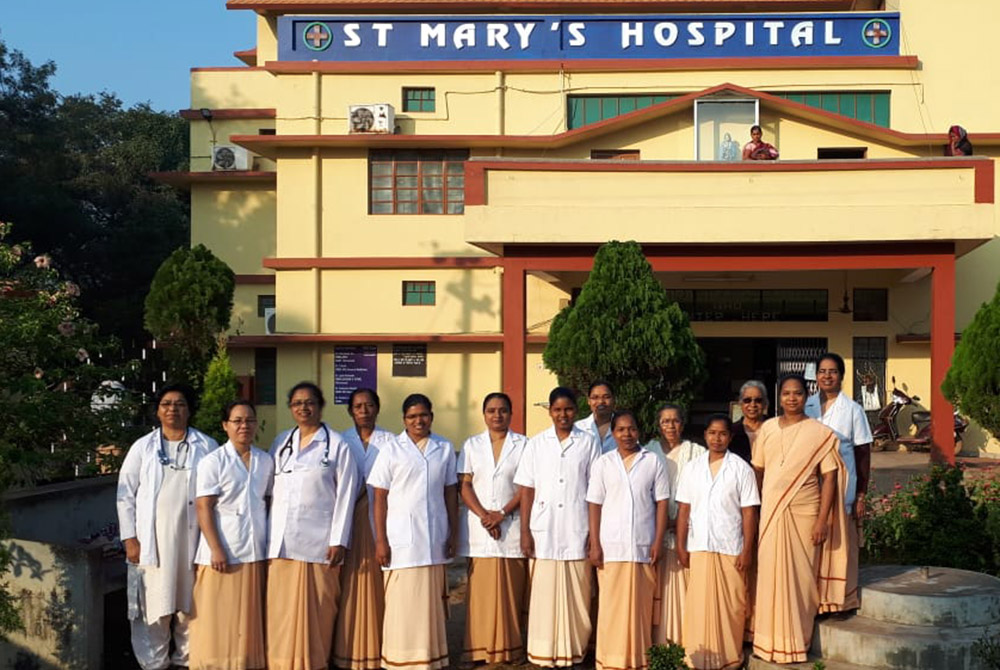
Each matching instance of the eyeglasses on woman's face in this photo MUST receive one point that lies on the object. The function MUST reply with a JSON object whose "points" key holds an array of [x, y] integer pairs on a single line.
{"points": [[242, 422], [298, 404], [179, 404], [749, 400]]}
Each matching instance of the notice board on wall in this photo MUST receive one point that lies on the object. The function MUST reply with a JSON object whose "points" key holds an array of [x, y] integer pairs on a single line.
{"points": [[353, 367], [409, 360]]}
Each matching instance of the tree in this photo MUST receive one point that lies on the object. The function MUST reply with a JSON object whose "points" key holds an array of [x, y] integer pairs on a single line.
{"points": [[623, 329], [189, 304], [75, 179], [220, 388], [973, 381]]}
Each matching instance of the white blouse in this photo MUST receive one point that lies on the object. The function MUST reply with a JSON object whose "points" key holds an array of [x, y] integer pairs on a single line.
{"points": [[717, 503], [241, 509], [493, 483]]}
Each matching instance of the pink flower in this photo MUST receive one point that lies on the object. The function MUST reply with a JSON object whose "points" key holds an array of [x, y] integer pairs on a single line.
{"points": [[72, 289], [43, 262], [898, 486], [82, 355], [39, 373], [66, 328]]}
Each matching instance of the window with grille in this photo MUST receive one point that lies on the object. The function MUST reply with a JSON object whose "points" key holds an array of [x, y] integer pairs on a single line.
{"points": [[870, 356], [416, 182], [264, 302], [265, 361], [582, 110], [418, 99], [419, 292], [869, 106], [871, 304]]}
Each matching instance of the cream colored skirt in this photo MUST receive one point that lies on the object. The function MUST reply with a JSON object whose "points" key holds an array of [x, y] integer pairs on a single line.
{"points": [[671, 587], [357, 639], [495, 606], [414, 634], [301, 607], [227, 624], [716, 612], [559, 624], [625, 615]]}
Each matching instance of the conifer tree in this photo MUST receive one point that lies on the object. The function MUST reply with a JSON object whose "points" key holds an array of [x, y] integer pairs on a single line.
{"points": [[219, 388], [973, 382], [623, 328]]}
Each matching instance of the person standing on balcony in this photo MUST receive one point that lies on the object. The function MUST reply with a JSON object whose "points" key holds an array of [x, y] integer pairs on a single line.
{"points": [[159, 528], [757, 149], [958, 142], [846, 418], [601, 399]]}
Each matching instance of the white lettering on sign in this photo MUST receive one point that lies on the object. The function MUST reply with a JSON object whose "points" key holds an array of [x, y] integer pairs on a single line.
{"points": [[723, 31], [381, 30], [496, 35], [523, 31], [464, 35], [772, 27], [631, 33], [576, 36], [802, 33], [828, 36], [696, 39], [665, 33], [748, 34], [430, 32], [351, 34]]}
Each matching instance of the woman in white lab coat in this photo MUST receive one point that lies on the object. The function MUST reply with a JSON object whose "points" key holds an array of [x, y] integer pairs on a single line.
{"points": [[357, 638], [315, 483], [490, 535], [416, 524], [234, 482], [159, 528], [553, 475], [629, 495]]}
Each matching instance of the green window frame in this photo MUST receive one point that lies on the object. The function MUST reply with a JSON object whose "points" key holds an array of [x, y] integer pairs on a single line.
{"points": [[418, 99], [869, 106], [419, 293], [583, 110]]}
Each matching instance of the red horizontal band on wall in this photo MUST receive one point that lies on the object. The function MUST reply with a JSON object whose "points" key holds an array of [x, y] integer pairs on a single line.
{"points": [[225, 114], [258, 280], [475, 170], [603, 65], [409, 338], [377, 263]]}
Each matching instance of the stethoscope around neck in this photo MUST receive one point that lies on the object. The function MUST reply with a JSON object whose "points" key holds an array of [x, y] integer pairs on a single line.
{"points": [[285, 453], [183, 447]]}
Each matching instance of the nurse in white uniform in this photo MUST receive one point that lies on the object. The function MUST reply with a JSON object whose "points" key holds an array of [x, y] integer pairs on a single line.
{"points": [[490, 535], [315, 485], [159, 528], [416, 527], [357, 638], [601, 400], [234, 483]]}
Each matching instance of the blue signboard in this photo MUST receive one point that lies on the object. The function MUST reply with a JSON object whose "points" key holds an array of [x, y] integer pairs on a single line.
{"points": [[353, 368], [586, 37]]}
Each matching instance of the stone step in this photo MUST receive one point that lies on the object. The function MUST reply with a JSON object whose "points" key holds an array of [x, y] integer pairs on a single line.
{"points": [[929, 596], [757, 664], [880, 644]]}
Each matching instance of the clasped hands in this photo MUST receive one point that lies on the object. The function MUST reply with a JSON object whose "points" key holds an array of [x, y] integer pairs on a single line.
{"points": [[491, 522]]}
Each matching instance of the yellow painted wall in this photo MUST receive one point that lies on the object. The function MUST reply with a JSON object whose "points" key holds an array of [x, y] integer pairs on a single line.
{"points": [[539, 382], [245, 320], [544, 299], [232, 88], [362, 301], [202, 141], [295, 292], [236, 222]]}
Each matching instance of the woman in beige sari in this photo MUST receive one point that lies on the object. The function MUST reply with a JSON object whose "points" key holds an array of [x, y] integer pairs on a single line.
{"points": [[802, 550], [672, 577]]}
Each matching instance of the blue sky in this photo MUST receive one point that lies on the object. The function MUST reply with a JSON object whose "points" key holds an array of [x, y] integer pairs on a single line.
{"points": [[142, 50]]}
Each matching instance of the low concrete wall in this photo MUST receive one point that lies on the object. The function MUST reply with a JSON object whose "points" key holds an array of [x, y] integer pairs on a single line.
{"points": [[66, 558]]}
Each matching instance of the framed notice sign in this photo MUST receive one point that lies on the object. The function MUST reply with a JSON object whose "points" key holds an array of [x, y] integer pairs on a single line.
{"points": [[409, 360], [353, 367]]}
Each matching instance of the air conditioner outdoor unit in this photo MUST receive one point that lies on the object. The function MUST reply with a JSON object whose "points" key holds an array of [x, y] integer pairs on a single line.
{"points": [[230, 157], [374, 118], [270, 319]]}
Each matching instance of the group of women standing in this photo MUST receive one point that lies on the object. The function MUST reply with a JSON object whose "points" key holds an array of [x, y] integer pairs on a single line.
{"points": [[361, 526]]}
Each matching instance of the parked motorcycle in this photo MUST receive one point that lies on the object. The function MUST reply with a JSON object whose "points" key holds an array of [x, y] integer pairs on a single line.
{"points": [[887, 431]]}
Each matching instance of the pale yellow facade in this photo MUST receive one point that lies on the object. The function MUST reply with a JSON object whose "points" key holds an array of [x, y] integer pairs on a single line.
{"points": [[337, 271]]}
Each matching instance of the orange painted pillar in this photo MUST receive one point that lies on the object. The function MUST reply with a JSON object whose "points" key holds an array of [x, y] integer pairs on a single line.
{"points": [[942, 348], [514, 333]]}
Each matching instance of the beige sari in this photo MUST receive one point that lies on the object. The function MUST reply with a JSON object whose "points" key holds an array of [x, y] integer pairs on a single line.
{"points": [[794, 577]]}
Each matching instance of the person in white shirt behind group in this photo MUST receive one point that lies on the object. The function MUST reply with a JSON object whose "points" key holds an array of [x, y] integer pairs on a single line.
{"points": [[676, 453], [159, 528], [601, 399], [716, 529], [847, 420], [357, 639], [416, 527], [234, 483], [553, 475], [490, 535], [315, 485], [629, 495]]}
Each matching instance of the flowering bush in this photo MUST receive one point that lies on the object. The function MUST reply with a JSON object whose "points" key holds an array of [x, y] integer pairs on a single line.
{"points": [[943, 518]]}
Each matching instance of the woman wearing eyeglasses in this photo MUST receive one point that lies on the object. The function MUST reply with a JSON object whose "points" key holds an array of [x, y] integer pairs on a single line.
{"points": [[315, 482], [357, 635], [416, 524], [676, 453], [753, 404], [159, 528], [234, 483]]}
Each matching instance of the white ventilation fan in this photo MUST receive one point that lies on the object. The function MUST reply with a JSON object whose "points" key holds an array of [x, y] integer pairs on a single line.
{"points": [[230, 157], [374, 118], [270, 320]]}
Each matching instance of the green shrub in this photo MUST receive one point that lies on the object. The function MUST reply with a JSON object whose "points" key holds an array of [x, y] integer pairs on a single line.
{"points": [[987, 650], [668, 656]]}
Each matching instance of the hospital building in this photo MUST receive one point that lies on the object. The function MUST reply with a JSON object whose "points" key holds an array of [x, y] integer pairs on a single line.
{"points": [[410, 190]]}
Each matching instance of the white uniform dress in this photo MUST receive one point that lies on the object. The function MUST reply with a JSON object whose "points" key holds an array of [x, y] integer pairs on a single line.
{"points": [[559, 623], [156, 506]]}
